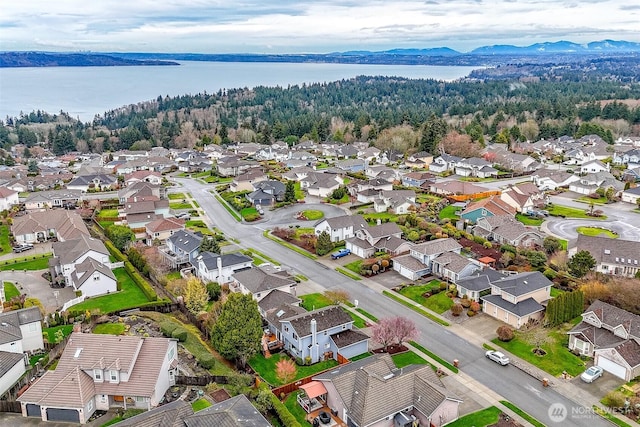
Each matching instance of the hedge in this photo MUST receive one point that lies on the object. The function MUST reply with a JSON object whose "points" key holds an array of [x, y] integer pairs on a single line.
{"points": [[180, 334], [114, 251], [286, 418], [144, 286], [207, 361], [167, 328]]}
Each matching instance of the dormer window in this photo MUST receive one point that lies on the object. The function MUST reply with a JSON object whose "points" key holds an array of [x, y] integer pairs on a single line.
{"points": [[113, 376], [97, 374]]}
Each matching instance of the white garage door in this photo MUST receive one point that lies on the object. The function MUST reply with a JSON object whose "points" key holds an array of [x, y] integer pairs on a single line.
{"points": [[612, 367]]}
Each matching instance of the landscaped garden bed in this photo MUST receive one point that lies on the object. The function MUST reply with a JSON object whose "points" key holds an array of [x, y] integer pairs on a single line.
{"points": [[266, 368]]}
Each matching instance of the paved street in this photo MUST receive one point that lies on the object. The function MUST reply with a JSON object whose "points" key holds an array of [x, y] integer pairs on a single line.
{"points": [[490, 379]]}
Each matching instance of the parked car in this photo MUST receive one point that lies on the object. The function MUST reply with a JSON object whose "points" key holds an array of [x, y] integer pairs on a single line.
{"points": [[22, 248], [340, 253], [591, 374], [497, 357]]}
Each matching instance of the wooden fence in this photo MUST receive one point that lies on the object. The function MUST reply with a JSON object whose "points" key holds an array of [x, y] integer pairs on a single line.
{"points": [[10, 406], [291, 387], [201, 380]]}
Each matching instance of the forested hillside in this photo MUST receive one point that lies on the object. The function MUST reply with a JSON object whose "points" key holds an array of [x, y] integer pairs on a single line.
{"points": [[387, 111]]}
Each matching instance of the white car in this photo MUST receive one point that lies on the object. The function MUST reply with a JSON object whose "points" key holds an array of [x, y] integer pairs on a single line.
{"points": [[591, 374], [497, 357]]}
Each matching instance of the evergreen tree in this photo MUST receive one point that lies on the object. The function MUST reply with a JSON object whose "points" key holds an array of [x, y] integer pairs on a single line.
{"points": [[581, 263], [238, 329], [433, 131], [324, 245], [209, 244], [290, 192]]}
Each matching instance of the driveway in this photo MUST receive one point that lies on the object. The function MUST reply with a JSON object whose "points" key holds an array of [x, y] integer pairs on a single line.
{"points": [[34, 285], [566, 228], [603, 385], [39, 248]]}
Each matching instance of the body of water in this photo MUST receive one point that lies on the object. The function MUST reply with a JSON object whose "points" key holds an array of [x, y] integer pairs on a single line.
{"points": [[84, 92]]}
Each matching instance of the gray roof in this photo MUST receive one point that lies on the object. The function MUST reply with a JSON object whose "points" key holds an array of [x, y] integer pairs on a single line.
{"points": [[343, 221], [10, 322], [599, 337], [346, 338], [438, 246], [611, 251], [8, 360], [256, 280], [410, 263], [210, 260], [613, 316], [68, 252], [186, 240], [277, 298], [481, 280], [365, 387], [235, 412], [523, 283], [383, 230], [521, 309], [85, 270], [169, 415], [326, 318], [88, 179]]}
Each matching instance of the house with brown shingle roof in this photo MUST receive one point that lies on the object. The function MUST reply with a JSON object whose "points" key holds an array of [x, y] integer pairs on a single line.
{"points": [[98, 372], [419, 261], [524, 196], [613, 256], [611, 336], [508, 230], [163, 228], [385, 237], [373, 392], [42, 226], [258, 282], [492, 206]]}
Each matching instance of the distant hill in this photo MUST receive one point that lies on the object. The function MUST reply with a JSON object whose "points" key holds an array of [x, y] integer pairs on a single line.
{"points": [[560, 47], [42, 59]]}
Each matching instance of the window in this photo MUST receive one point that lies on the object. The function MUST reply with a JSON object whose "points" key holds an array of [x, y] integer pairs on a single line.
{"points": [[140, 399], [327, 346], [97, 374], [171, 353], [113, 375], [295, 337], [90, 406]]}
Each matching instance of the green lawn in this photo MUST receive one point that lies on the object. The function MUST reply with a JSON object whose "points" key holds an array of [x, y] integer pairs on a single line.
{"points": [[348, 273], [130, 296], [597, 231], [200, 404], [449, 212], [482, 418], [299, 192], [372, 217], [415, 308], [563, 244], [312, 214], [358, 321], [291, 403], [439, 302], [127, 414], [599, 201], [367, 315], [558, 357], [180, 205], [523, 414], [354, 266], [408, 358], [41, 263], [174, 275], [5, 246], [249, 212], [10, 291], [108, 213], [109, 329], [569, 212], [314, 301], [266, 368], [361, 356], [528, 220], [176, 196], [50, 333]]}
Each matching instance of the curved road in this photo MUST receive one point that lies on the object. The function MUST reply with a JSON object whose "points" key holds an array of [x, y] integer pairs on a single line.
{"points": [[516, 386]]}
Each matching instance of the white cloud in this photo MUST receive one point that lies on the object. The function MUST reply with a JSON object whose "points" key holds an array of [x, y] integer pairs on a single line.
{"points": [[289, 26]]}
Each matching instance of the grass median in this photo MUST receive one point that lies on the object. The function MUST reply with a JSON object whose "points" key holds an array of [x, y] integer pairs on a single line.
{"points": [[523, 414]]}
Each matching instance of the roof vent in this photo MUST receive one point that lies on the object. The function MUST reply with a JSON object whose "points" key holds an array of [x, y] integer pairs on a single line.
{"points": [[607, 251], [388, 376], [525, 282], [77, 354], [280, 313], [5, 324]]}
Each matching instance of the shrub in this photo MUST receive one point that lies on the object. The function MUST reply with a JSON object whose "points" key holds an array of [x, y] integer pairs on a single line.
{"points": [[207, 361], [167, 328], [614, 399], [505, 333], [180, 334], [471, 313], [286, 418], [456, 309], [443, 286], [475, 306], [549, 273], [465, 302]]}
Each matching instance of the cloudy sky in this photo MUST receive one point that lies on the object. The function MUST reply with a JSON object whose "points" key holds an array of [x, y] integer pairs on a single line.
{"points": [[316, 26]]}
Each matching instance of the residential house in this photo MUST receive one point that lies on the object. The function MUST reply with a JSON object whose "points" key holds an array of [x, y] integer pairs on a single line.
{"points": [[233, 166], [613, 256], [267, 193], [162, 228], [517, 299], [276, 300], [520, 163], [151, 177], [382, 172], [351, 165], [452, 266], [524, 197], [444, 163], [321, 334], [139, 211], [8, 198], [611, 336], [508, 230], [346, 151], [182, 248], [491, 206], [46, 225], [69, 254], [419, 261], [51, 199], [247, 180], [632, 195], [340, 228], [629, 157], [379, 238], [98, 372], [321, 184], [548, 179], [396, 201], [631, 175], [371, 155], [93, 278], [258, 282], [478, 284], [93, 182], [589, 183], [419, 160], [221, 268], [417, 179], [475, 167], [594, 166], [372, 392], [461, 190], [141, 189], [20, 333]]}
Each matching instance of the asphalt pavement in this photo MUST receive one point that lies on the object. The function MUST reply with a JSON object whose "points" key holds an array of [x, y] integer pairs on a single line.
{"points": [[489, 379]]}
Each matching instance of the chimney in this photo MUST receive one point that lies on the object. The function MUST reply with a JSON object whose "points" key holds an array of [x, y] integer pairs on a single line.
{"points": [[135, 199], [219, 262], [314, 339]]}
